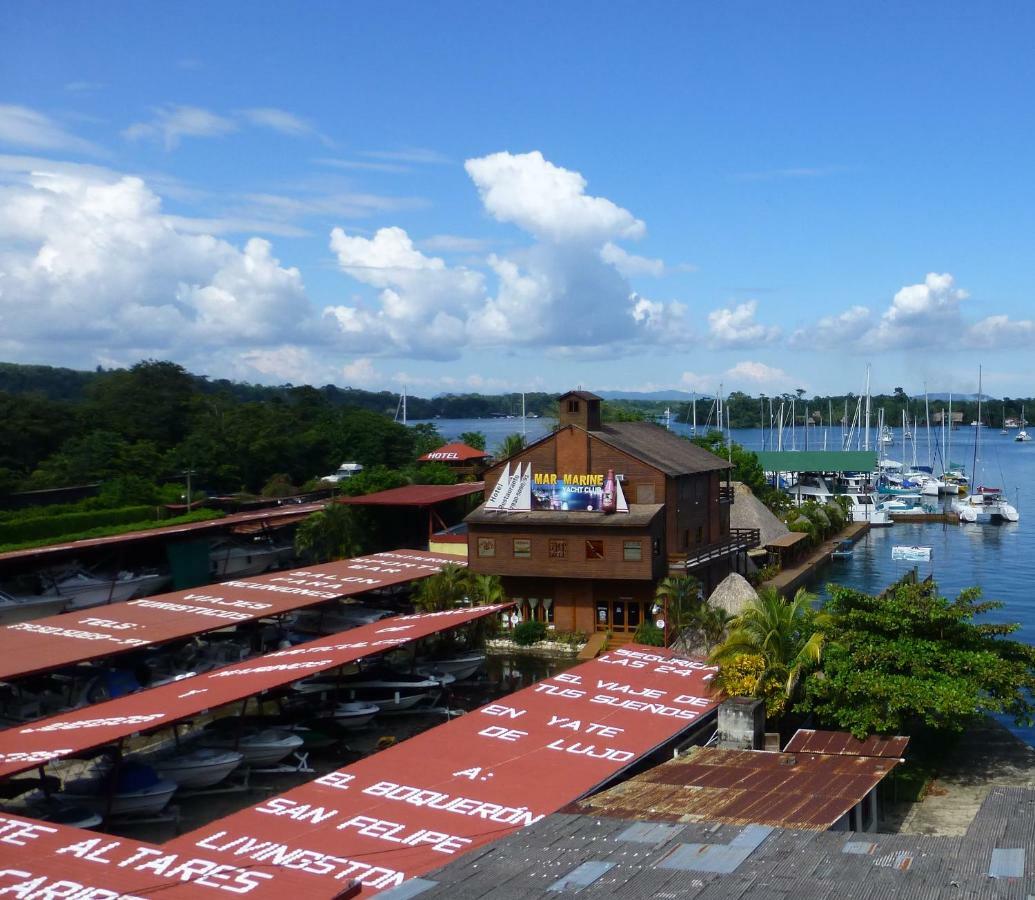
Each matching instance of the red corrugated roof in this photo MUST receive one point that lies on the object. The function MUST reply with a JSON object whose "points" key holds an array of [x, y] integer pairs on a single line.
{"points": [[414, 806], [808, 740], [67, 734], [74, 637], [419, 495], [275, 515], [455, 452]]}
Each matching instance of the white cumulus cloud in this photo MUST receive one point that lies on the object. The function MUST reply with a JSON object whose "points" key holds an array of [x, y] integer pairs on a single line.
{"points": [[548, 201], [91, 265], [736, 327]]}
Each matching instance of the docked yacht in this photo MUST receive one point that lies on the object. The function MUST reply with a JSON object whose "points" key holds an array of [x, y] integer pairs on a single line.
{"points": [[81, 589], [135, 790], [198, 767], [821, 489]]}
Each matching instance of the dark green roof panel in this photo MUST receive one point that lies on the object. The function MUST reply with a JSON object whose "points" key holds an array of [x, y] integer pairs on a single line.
{"points": [[819, 460]]}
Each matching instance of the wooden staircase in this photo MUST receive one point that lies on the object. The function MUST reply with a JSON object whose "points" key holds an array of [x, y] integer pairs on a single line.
{"points": [[619, 639]]}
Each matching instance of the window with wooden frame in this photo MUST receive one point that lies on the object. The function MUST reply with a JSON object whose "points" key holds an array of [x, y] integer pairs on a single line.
{"points": [[486, 546], [632, 551], [558, 549], [573, 406], [594, 549], [522, 548]]}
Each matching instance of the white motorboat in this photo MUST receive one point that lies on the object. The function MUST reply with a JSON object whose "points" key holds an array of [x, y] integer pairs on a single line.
{"points": [[238, 559], [339, 617], [258, 746], [903, 505], [138, 790], [15, 608], [72, 816], [984, 506], [198, 767], [385, 689], [1022, 435], [460, 665], [354, 713], [81, 589]]}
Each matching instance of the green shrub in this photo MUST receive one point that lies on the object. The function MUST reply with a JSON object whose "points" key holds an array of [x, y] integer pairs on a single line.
{"points": [[18, 528], [648, 633], [528, 633]]}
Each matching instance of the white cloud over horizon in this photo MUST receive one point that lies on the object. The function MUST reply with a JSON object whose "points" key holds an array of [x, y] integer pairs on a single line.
{"points": [[31, 129]]}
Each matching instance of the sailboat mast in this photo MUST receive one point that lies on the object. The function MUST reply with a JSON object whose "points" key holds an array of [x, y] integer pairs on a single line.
{"points": [[927, 418], [866, 440], [977, 437]]}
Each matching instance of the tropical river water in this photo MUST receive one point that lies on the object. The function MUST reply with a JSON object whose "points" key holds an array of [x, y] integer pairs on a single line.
{"points": [[992, 557]]}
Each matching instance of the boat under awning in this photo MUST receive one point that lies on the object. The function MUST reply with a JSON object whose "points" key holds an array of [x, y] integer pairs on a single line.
{"points": [[818, 460], [28, 746], [28, 648]]}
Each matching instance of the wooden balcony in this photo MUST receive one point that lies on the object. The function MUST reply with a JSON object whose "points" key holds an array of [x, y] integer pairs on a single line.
{"points": [[738, 540], [727, 494]]}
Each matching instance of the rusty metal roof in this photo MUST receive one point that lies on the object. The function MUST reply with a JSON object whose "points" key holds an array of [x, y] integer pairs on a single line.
{"points": [[808, 740], [273, 516], [788, 540], [743, 787], [419, 495]]}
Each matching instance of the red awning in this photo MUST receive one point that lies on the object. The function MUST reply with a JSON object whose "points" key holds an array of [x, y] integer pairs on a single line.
{"points": [[418, 805], [400, 812], [67, 734], [456, 452], [272, 516], [419, 495], [49, 643]]}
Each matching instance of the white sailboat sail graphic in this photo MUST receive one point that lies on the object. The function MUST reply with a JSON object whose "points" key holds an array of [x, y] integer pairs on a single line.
{"points": [[523, 495], [507, 501], [499, 490], [620, 503]]}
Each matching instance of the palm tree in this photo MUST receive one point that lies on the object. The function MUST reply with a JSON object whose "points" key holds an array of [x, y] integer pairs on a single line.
{"points": [[787, 635], [487, 590], [510, 445], [331, 533], [712, 622], [445, 590], [680, 596]]}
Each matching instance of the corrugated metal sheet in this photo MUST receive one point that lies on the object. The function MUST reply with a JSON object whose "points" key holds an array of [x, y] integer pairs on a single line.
{"points": [[49, 643], [742, 787], [418, 495], [273, 516], [1006, 863], [581, 876], [24, 747], [808, 740]]}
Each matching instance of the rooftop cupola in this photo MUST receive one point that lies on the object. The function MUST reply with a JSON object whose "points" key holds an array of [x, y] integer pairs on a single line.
{"points": [[579, 408]]}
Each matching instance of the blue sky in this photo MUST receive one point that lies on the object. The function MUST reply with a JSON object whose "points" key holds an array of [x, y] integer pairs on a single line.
{"points": [[499, 196]]}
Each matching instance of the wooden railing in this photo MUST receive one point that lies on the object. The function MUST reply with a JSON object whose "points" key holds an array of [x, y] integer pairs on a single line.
{"points": [[737, 541], [727, 494]]}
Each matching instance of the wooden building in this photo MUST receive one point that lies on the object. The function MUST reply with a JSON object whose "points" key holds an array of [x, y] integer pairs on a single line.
{"points": [[589, 570]]}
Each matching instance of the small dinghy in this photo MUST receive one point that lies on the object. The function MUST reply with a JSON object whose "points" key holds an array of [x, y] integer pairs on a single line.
{"points": [[200, 767], [460, 665], [137, 790], [354, 714], [843, 550], [259, 746]]}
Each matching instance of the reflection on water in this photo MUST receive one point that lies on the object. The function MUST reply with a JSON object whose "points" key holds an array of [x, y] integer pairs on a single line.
{"points": [[519, 671]]}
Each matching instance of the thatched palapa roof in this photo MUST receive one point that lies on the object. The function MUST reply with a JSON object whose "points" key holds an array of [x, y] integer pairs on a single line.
{"points": [[733, 594], [748, 511]]}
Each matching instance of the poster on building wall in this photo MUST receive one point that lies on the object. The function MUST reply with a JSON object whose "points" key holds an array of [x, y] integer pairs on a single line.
{"points": [[522, 491]]}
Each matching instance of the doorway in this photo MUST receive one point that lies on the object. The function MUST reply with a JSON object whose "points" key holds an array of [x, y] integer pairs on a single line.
{"points": [[621, 616]]}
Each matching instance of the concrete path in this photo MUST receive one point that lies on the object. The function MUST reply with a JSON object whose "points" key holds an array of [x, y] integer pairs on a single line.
{"points": [[988, 755]]}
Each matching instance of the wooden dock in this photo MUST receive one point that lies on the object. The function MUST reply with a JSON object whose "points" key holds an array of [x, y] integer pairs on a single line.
{"points": [[788, 580]]}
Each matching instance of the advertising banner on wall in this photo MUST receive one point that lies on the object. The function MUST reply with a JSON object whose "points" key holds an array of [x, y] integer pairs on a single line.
{"points": [[524, 491]]}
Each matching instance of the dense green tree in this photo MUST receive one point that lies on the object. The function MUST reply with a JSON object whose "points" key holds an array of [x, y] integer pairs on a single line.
{"points": [[150, 401], [332, 533], [910, 656], [474, 439], [426, 437]]}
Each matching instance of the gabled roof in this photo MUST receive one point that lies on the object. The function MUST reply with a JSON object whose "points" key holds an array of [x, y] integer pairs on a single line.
{"points": [[455, 452], [660, 448], [418, 495], [808, 740], [582, 395]]}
